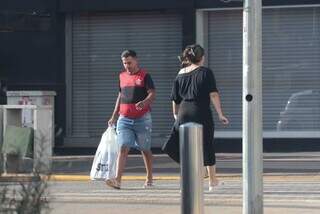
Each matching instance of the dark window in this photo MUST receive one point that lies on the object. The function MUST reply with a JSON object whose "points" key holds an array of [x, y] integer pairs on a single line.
{"points": [[24, 21]]}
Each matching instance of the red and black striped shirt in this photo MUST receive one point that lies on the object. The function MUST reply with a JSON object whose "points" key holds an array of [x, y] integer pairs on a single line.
{"points": [[134, 88]]}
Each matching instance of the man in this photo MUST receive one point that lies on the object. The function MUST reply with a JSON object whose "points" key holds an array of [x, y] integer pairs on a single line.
{"points": [[136, 94]]}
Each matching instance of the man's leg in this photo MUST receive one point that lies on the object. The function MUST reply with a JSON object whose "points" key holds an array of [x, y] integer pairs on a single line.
{"points": [[125, 138], [121, 162], [143, 140], [148, 162]]}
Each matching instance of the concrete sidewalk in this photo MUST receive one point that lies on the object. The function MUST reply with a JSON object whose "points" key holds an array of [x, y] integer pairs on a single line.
{"points": [[114, 208], [295, 196], [291, 185]]}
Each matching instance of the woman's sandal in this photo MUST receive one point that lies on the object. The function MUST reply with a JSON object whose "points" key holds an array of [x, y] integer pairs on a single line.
{"points": [[148, 185], [214, 185], [113, 183]]}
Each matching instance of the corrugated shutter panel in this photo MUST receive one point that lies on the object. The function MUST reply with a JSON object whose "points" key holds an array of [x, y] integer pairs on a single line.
{"points": [[98, 41], [291, 66], [225, 59]]}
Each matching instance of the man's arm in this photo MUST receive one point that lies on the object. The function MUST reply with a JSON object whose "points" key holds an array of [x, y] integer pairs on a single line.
{"points": [[115, 113], [147, 101]]}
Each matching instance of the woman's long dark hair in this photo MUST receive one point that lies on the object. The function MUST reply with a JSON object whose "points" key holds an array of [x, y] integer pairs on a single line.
{"points": [[192, 54]]}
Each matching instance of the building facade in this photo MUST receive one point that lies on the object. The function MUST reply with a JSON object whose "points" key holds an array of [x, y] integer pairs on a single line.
{"points": [[73, 48]]}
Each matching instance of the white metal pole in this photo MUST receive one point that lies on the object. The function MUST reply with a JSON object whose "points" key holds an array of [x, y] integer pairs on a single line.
{"points": [[191, 159], [252, 109]]}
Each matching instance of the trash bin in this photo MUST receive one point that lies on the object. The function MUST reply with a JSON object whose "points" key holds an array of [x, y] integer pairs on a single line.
{"points": [[18, 141], [17, 145], [18, 138]]}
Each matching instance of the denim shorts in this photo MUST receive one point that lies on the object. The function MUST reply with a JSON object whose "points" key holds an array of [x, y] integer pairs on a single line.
{"points": [[135, 133]]}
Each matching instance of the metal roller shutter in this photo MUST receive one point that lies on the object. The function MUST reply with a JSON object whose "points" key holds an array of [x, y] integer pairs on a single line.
{"points": [[291, 67], [97, 42], [225, 59]]}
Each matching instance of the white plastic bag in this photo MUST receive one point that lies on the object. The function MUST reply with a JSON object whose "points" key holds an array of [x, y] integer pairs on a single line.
{"points": [[105, 160]]}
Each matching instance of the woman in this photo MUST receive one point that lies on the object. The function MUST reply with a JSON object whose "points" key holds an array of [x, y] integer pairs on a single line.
{"points": [[192, 91]]}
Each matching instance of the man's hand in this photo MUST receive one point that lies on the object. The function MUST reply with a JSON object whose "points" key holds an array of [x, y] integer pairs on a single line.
{"points": [[112, 121], [140, 105]]}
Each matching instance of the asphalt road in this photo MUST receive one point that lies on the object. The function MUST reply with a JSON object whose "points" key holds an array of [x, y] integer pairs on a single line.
{"points": [[226, 164]]}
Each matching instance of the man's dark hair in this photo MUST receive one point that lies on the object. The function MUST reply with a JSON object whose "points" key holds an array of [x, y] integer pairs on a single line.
{"points": [[128, 53]]}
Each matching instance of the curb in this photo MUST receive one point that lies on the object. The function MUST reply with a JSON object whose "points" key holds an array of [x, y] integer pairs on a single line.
{"points": [[125, 178], [293, 177], [267, 177]]}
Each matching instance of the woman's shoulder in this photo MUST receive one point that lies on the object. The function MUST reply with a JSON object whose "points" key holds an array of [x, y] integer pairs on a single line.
{"points": [[205, 69], [182, 71], [188, 71]]}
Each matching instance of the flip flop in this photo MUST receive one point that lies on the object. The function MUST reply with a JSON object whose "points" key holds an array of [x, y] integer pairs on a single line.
{"points": [[113, 183]]}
